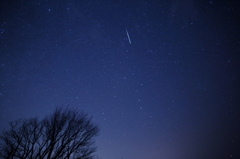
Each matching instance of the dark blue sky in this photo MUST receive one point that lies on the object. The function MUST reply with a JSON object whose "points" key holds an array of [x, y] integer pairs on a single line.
{"points": [[172, 93]]}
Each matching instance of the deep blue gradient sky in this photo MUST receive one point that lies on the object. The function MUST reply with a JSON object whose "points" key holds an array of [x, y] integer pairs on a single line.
{"points": [[172, 93]]}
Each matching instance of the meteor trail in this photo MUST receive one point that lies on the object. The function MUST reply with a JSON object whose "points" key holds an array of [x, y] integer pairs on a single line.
{"points": [[128, 37]]}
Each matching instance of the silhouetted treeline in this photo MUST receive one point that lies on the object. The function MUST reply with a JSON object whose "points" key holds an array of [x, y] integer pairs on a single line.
{"points": [[66, 134]]}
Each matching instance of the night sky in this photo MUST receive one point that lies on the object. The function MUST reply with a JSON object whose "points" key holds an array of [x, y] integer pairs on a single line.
{"points": [[160, 78]]}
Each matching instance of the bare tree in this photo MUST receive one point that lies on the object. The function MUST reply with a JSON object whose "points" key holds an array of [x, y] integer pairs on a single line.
{"points": [[66, 134]]}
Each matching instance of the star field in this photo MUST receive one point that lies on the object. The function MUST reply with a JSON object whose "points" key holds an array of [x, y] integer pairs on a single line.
{"points": [[160, 78]]}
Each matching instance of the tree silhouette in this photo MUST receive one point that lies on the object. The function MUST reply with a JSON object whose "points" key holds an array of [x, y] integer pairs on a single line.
{"points": [[66, 134]]}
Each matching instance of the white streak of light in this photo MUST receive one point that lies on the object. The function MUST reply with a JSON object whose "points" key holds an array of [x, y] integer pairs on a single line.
{"points": [[128, 37]]}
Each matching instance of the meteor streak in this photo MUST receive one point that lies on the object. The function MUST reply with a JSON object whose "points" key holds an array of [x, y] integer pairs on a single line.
{"points": [[128, 37]]}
